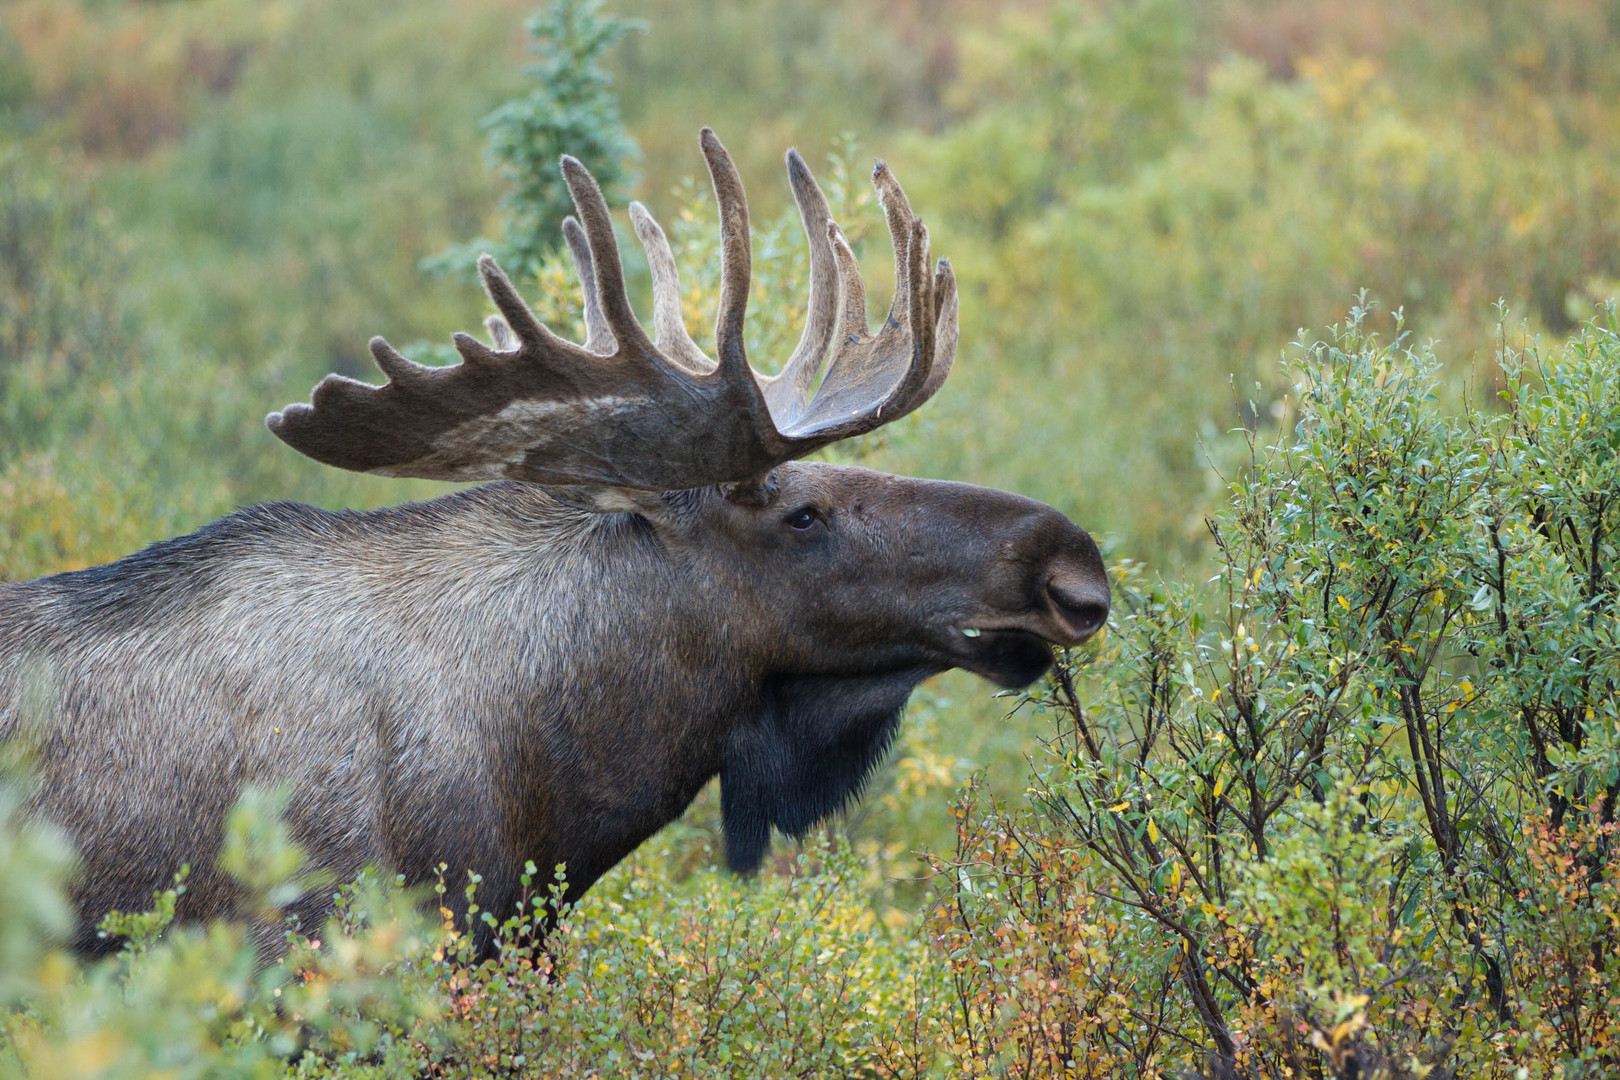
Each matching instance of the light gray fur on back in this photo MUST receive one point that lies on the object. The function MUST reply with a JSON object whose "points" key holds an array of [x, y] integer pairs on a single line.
{"points": [[358, 659]]}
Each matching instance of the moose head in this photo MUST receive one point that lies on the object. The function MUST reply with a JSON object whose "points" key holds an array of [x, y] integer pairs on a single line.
{"points": [[550, 668]]}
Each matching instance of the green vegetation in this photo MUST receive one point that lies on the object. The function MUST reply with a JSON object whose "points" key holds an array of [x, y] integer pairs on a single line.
{"points": [[1336, 791], [1351, 804], [569, 111]]}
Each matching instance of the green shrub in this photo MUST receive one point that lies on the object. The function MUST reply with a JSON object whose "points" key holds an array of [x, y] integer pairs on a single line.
{"points": [[568, 111], [789, 975], [1352, 806], [793, 975], [201, 1001]]}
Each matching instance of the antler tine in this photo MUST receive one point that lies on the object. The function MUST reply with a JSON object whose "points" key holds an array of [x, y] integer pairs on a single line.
{"points": [[604, 250], [668, 325], [394, 364], [598, 337], [788, 392], [945, 307], [897, 212], [736, 258], [472, 350], [920, 292], [500, 333], [922, 269], [927, 375], [478, 354], [851, 289], [513, 308], [874, 378]]}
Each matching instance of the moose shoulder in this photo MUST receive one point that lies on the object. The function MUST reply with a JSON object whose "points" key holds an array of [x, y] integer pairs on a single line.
{"points": [[549, 668]]}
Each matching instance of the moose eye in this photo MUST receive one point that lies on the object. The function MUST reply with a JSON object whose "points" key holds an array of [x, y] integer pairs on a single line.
{"points": [[803, 519]]}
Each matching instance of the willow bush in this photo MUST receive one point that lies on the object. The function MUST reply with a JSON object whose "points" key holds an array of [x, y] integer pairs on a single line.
{"points": [[1348, 808]]}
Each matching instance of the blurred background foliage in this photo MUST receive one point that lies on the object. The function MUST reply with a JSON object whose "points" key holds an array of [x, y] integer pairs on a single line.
{"points": [[205, 205], [210, 203]]}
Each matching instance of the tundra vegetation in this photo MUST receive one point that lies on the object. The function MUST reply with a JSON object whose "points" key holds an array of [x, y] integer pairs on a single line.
{"points": [[1333, 797]]}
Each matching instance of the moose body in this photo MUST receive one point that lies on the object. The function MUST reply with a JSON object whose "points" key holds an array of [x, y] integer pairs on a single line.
{"points": [[543, 671]]}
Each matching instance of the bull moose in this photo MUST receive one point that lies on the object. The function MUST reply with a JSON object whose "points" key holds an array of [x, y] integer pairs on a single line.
{"points": [[549, 668]]}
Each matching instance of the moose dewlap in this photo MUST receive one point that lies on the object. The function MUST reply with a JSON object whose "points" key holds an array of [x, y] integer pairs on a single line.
{"points": [[550, 667]]}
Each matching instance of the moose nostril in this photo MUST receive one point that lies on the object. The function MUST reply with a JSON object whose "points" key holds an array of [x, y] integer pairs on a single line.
{"points": [[1084, 608]]}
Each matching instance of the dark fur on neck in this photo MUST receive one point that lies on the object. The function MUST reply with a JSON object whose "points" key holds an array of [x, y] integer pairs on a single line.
{"points": [[810, 751]]}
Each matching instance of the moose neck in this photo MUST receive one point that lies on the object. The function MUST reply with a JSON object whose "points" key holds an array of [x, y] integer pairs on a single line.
{"points": [[667, 685], [627, 678], [663, 687]]}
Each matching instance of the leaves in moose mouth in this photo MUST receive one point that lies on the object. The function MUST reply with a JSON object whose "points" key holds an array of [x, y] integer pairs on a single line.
{"points": [[1012, 659]]}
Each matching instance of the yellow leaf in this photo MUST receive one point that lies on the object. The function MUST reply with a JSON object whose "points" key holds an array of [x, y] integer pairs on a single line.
{"points": [[1153, 831], [1220, 786], [1121, 806], [1344, 603]]}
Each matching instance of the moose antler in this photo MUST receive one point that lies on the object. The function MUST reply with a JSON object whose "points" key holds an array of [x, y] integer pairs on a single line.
{"points": [[625, 411]]}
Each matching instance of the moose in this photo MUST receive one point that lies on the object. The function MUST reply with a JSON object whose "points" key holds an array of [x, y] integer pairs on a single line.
{"points": [[549, 668]]}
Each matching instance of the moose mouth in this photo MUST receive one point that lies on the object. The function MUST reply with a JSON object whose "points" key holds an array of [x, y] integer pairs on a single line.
{"points": [[1011, 659]]}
